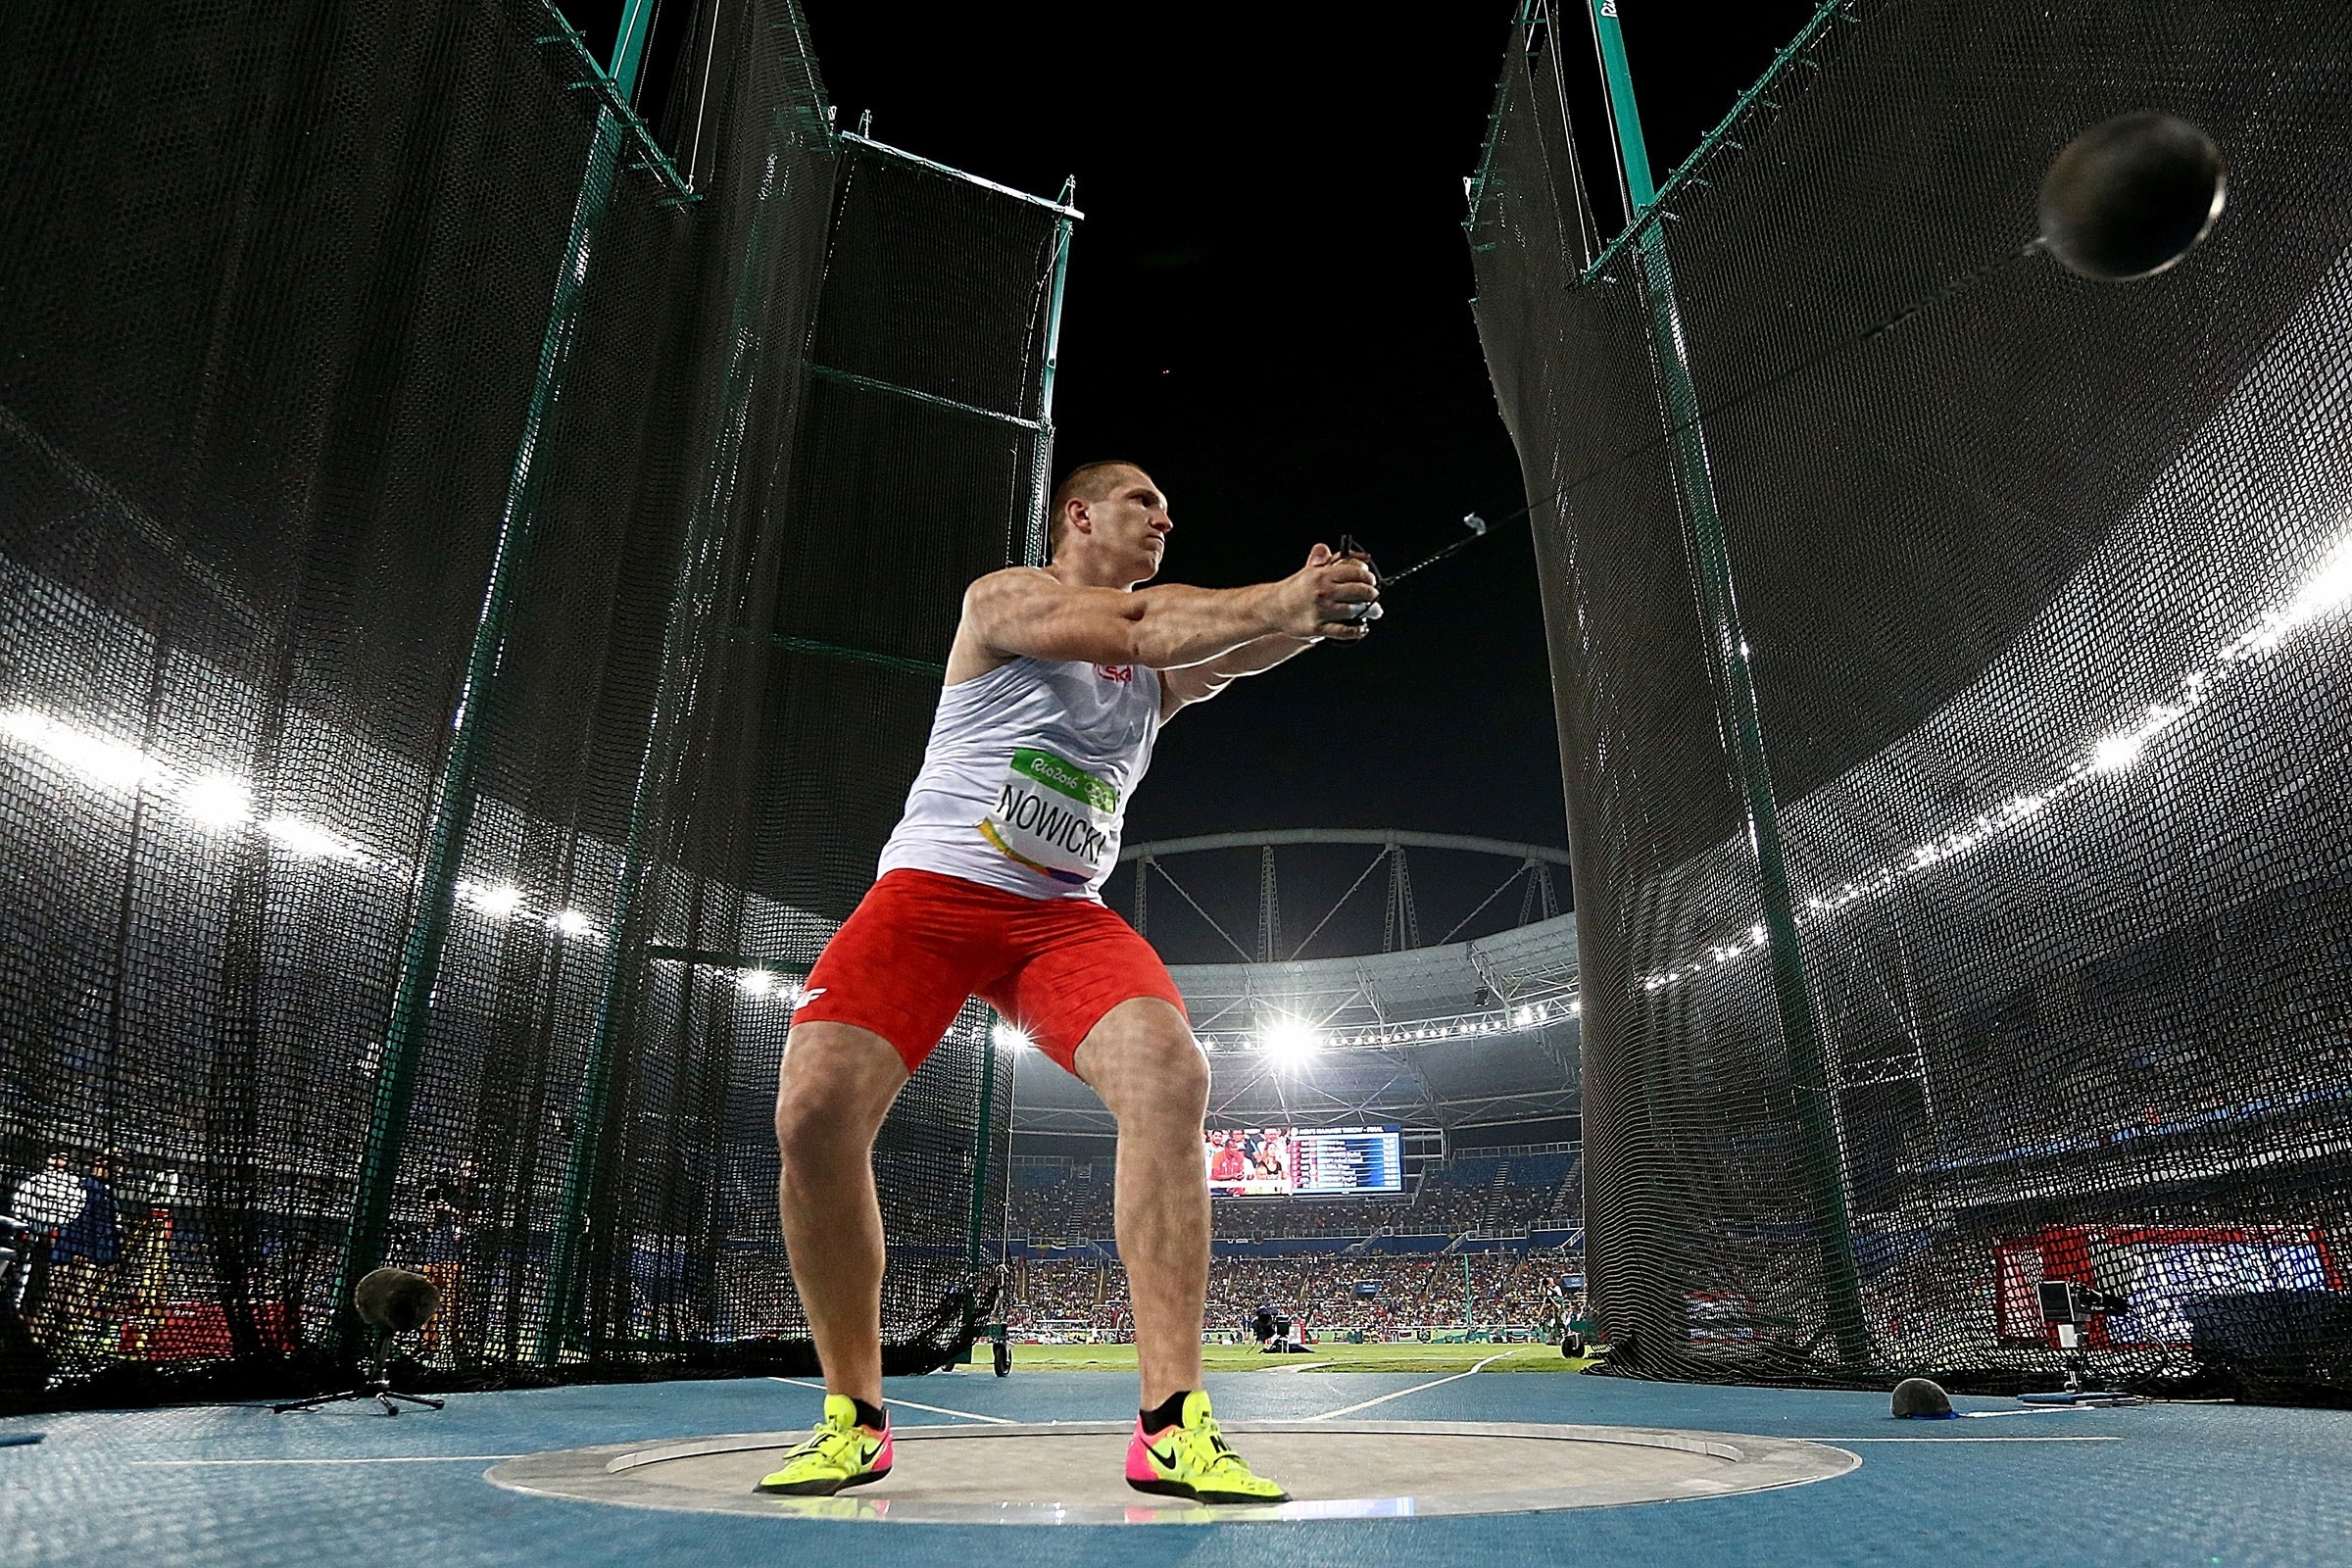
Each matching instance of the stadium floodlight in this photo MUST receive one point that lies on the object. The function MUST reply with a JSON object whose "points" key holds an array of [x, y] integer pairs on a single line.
{"points": [[108, 763], [218, 801], [1289, 1041], [2328, 588], [757, 982], [309, 840], [2114, 752], [2325, 591], [498, 901], [573, 923], [1008, 1038]]}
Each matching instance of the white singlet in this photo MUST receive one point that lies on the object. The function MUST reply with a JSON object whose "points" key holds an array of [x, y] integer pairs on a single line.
{"points": [[1025, 781]]}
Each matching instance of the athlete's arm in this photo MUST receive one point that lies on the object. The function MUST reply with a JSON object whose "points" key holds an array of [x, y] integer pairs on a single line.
{"points": [[1027, 610], [1198, 683]]}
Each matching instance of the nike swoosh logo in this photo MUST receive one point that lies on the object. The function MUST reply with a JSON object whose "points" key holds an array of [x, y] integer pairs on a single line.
{"points": [[1168, 1459]]}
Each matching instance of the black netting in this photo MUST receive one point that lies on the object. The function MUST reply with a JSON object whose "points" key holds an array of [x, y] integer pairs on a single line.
{"points": [[2044, 586], [468, 614]]}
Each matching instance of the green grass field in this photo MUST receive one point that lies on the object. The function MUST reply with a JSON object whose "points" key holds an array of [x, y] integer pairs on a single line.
{"points": [[1330, 1357]]}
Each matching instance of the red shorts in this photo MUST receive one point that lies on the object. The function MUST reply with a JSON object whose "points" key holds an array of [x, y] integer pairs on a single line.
{"points": [[920, 942]]}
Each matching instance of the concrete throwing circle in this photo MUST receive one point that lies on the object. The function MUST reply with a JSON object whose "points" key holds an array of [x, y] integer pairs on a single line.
{"points": [[1072, 1472]]}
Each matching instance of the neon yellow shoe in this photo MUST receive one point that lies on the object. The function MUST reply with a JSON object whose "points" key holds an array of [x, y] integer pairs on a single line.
{"points": [[839, 1454], [1192, 1460]]}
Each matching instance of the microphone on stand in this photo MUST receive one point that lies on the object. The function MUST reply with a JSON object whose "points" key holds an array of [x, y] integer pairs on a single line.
{"points": [[392, 1302], [396, 1300]]}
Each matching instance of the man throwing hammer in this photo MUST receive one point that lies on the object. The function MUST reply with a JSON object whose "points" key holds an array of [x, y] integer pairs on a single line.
{"points": [[1057, 688]]}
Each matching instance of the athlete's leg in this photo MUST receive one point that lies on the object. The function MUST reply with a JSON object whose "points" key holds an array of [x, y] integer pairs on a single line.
{"points": [[836, 1086], [1143, 1061]]}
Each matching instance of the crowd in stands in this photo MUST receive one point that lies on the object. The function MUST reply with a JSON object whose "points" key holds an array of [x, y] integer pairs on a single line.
{"points": [[1499, 1195], [1482, 1194], [1350, 1289], [1322, 1292], [1060, 1202]]}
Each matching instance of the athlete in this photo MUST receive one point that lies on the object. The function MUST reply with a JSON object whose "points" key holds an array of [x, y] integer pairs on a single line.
{"points": [[1059, 682]]}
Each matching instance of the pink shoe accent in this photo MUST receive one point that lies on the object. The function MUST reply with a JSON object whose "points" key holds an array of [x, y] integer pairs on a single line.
{"points": [[882, 1460], [1138, 1461]]}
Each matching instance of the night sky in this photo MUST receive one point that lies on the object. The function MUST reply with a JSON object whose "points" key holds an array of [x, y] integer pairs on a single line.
{"points": [[1268, 308]]}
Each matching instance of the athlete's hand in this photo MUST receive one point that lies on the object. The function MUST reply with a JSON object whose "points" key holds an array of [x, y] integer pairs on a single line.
{"points": [[1330, 597]]}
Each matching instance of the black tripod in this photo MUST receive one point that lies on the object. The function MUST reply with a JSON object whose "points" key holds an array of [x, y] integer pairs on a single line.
{"points": [[378, 1386]]}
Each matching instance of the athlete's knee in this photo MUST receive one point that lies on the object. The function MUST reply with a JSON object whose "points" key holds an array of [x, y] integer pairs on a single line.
{"points": [[809, 1131], [833, 1089], [1147, 1063], [1181, 1067]]}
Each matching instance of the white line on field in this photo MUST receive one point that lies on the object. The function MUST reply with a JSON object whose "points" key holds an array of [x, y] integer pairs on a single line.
{"points": [[1836, 1441], [912, 1404], [1415, 1389], [415, 1458]]}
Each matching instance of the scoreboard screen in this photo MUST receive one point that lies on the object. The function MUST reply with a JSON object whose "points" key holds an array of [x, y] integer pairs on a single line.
{"points": [[1286, 1161]]}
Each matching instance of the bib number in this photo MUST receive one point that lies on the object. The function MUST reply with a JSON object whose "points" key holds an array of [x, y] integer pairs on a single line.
{"points": [[1053, 817]]}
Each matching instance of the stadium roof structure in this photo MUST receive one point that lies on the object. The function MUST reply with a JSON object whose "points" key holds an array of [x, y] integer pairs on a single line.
{"points": [[1455, 1034], [1531, 875]]}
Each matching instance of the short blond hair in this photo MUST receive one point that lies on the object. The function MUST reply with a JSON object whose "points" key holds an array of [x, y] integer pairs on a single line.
{"points": [[1089, 482]]}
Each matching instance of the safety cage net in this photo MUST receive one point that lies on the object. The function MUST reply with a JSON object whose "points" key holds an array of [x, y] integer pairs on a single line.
{"points": [[474, 576], [2041, 589]]}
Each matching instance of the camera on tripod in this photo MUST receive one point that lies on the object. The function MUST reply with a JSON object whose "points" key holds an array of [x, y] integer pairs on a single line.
{"points": [[2067, 1305]]}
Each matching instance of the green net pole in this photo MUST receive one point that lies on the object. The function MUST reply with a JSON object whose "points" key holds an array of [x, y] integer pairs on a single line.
{"points": [[1041, 484], [1033, 548], [1632, 152], [980, 1141], [628, 47], [1821, 1164], [685, 640], [1041, 490], [452, 809]]}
